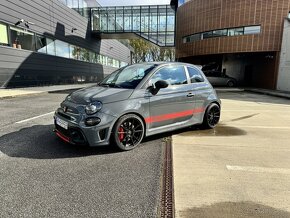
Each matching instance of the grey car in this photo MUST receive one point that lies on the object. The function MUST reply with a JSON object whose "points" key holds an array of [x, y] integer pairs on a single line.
{"points": [[217, 78], [136, 101]]}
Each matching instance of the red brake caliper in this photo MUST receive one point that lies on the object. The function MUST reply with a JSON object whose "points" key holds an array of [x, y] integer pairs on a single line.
{"points": [[121, 134]]}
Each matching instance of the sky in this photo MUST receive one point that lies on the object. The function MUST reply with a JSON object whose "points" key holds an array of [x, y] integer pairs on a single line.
{"points": [[132, 2]]}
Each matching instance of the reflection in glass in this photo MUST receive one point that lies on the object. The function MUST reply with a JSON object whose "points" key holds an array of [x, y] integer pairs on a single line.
{"points": [[50, 46], [128, 19], [136, 19], [40, 44], [119, 19], [252, 30], [111, 19], [62, 49]]}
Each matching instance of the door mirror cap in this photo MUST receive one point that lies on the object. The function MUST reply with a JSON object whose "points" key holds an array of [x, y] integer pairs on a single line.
{"points": [[161, 84]]}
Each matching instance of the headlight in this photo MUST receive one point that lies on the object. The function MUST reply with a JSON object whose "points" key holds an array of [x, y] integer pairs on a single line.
{"points": [[68, 98], [93, 108]]}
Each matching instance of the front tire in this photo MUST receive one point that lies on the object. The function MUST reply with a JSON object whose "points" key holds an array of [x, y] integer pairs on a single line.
{"points": [[211, 116], [128, 132]]}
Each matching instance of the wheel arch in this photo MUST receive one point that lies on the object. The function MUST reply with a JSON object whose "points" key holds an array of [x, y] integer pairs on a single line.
{"points": [[135, 113]]}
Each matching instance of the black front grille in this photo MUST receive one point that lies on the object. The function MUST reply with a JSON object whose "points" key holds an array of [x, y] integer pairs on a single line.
{"points": [[64, 116], [76, 136]]}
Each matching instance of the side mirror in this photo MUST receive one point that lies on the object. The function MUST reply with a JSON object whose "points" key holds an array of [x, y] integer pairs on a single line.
{"points": [[160, 84]]}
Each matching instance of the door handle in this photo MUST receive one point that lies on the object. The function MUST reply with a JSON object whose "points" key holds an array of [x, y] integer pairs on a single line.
{"points": [[190, 95]]}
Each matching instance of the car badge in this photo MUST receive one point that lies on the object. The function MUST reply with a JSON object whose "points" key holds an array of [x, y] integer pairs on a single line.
{"points": [[65, 109]]}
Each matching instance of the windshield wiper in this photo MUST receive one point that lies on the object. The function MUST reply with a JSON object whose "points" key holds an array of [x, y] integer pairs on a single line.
{"points": [[112, 85], [104, 85]]}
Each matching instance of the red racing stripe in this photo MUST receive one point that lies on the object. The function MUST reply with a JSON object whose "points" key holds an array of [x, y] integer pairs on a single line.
{"points": [[65, 138], [171, 116]]}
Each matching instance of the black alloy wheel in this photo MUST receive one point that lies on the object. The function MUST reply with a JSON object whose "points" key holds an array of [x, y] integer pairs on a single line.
{"points": [[211, 116], [128, 132]]}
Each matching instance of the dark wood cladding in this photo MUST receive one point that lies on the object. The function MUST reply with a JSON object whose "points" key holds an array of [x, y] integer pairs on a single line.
{"points": [[203, 15]]}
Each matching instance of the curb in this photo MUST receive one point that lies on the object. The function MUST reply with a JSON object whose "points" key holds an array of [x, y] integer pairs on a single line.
{"points": [[20, 95], [38, 93]]}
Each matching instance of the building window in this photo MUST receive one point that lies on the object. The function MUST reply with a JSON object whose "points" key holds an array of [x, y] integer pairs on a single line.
{"points": [[69, 3], [62, 49], [252, 30], [207, 35], [238, 31], [41, 44], [231, 32], [74, 52], [110, 62], [3, 35], [22, 39], [50, 45], [93, 57], [84, 55], [219, 33]]}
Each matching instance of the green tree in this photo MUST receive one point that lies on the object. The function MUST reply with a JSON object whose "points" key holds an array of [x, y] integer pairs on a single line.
{"points": [[145, 51]]}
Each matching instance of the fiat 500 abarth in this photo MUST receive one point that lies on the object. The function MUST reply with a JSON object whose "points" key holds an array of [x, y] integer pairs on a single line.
{"points": [[136, 101]]}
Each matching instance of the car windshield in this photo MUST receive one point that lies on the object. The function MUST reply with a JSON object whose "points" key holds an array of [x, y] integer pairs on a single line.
{"points": [[128, 77]]}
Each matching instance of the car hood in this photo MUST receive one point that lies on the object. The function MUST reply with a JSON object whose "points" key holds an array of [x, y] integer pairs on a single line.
{"points": [[98, 93]]}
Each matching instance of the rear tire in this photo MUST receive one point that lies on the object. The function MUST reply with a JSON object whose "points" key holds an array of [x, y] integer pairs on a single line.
{"points": [[128, 132], [211, 116], [231, 83]]}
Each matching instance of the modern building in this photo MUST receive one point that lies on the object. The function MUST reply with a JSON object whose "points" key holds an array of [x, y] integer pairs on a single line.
{"points": [[242, 37], [50, 42]]}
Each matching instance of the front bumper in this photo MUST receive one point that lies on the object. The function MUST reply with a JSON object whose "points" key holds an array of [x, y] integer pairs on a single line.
{"points": [[79, 133]]}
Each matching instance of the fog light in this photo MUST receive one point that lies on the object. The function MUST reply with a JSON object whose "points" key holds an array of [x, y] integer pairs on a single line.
{"points": [[92, 121]]}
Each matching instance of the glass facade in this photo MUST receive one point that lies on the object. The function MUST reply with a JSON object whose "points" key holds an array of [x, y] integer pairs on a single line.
{"points": [[154, 23], [237, 31], [81, 6], [23, 39]]}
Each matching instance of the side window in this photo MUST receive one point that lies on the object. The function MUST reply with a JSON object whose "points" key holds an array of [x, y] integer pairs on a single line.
{"points": [[174, 75], [195, 75]]}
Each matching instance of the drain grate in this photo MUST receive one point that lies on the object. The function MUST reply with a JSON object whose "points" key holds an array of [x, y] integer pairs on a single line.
{"points": [[167, 192]]}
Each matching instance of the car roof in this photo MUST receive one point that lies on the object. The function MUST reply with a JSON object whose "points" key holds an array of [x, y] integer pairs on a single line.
{"points": [[160, 63]]}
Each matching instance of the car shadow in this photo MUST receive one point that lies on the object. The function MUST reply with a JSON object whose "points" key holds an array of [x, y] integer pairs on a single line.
{"points": [[40, 142]]}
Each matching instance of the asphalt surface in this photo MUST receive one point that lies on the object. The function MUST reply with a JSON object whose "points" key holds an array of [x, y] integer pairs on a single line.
{"points": [[41, 176]]}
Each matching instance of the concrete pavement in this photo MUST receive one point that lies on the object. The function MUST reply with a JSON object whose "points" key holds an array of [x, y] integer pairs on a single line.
{"points": [[239, 169]]}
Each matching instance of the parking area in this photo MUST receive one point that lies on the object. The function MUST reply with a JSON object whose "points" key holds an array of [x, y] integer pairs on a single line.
{"points": [[42, 176], [239, 169]]}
